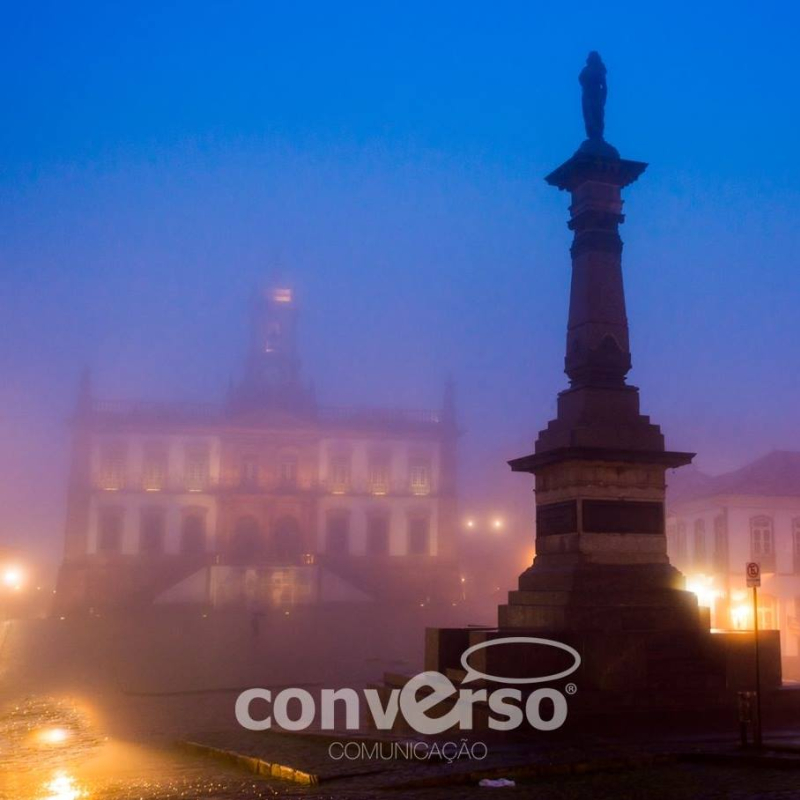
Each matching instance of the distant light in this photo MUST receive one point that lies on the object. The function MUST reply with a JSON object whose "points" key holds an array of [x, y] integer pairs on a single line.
{"points": [[13, 578], [470, 523], [703, 587], [52, 736], [282, 295], [497, 523], [741, 616], [63, 787], [463, 579]]}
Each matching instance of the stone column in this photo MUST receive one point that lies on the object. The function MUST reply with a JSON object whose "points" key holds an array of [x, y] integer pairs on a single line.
{"points": [[601, 552]]}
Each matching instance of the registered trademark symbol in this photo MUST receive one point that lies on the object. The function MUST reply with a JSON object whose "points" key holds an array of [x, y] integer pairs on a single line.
{"points": [[570, 688]]}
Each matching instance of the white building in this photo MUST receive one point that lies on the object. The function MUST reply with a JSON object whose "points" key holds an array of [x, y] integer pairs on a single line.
{"points": [[267, 487], [716, 525]]}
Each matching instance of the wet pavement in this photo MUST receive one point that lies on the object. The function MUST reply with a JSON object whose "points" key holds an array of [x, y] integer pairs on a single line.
{"points": [[91, 710]]}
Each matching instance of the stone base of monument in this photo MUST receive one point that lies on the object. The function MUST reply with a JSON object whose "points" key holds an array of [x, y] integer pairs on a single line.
{"points": [[656, 668], [643, 641], [667, 680]]}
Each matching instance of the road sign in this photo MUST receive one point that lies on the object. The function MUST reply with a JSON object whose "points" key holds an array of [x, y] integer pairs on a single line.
{"points": [[753, 574]]}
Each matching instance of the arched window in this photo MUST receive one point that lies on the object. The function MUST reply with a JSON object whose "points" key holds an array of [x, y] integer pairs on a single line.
{"points": [[193, 532], [247, 545]]}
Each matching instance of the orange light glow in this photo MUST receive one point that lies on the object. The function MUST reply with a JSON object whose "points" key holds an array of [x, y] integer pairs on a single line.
{"points": [[62, 787], [13, 578], [703, 587], [52, 736]]}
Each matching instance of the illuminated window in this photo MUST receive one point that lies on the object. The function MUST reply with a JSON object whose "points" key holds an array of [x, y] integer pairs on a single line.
{"points": [[337, 533], [193, 533], [151, 531], [109, 533], [379, 476], [699, 543], [282, 295], [248, 471], [339, 474], [154, 468], [419, 536], [196, 468], [420, 473], [762, 542], [378, 535], [112, 467]]}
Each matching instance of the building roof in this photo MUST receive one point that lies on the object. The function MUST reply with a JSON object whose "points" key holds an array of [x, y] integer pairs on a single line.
{"points": [[112, 414], [776, 474]]}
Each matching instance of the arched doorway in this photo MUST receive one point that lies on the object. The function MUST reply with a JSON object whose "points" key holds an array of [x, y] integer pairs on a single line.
{"points": [[287, 545], [247, 544]]}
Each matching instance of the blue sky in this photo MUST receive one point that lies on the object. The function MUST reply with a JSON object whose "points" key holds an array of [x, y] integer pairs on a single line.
{"points": [[158, 161]]}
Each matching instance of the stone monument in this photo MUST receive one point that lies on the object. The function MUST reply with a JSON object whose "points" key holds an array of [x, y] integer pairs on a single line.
{"points": [[601, 580]]}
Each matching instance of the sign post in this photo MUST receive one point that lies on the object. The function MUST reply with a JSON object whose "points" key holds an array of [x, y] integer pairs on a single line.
{"points": [[753, 582]]}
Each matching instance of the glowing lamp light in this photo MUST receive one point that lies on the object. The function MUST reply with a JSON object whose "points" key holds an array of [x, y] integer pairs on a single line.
{"points": [[470, 523], [63, 787], [703, 587], [497, 523], [13, 578], [52, 736]]}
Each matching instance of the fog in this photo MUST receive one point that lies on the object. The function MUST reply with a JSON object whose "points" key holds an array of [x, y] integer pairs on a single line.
{"points": [[143, 200], [159, 168]]}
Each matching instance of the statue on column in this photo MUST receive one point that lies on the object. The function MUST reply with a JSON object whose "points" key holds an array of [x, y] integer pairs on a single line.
{"points": [[593, 84]]}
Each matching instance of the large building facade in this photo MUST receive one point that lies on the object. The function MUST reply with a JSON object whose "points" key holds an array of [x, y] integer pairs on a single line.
{"points": [[264, 499], [716, 525]]}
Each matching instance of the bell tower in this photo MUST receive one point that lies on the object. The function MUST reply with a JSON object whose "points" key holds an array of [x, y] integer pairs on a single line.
{"points": [[272, 377]]}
